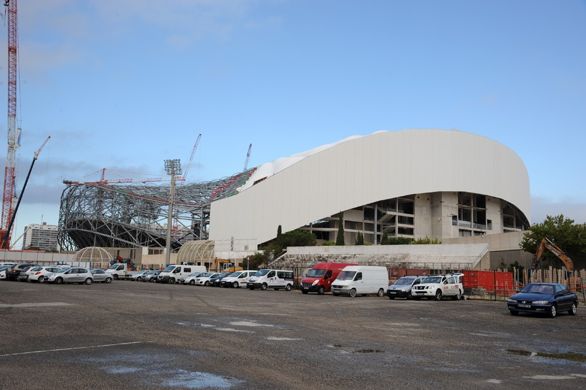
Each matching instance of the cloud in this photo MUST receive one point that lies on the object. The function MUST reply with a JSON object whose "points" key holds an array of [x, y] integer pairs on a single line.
{"points": [[570, 208]]}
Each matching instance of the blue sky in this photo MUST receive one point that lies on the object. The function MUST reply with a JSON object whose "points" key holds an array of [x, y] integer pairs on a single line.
{"points": [[127, 84]]}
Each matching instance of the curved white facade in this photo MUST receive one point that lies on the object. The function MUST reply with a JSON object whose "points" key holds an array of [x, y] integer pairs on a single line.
{"points": [[358, 171]]}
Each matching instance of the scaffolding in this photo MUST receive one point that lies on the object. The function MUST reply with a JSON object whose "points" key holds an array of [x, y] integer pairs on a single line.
{"points": [[125, 215]]}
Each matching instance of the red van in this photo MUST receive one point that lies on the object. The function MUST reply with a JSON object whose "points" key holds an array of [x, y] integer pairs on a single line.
{"points": [[320, 277]]}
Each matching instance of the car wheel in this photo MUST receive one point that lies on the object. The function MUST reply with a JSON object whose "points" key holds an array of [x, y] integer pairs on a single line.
{"points": [[108, 280], [304, 291], [553, 312], [321, 290], [192, 282], [381, 293], [352, 293], [59, 280], [514, 312], [438, 295], [235, 285], [138, 279], [288, 287], [88, 281], [206, 284], [263, 286], [171, 280], [573, 309], [41, 279], [116, 276]]}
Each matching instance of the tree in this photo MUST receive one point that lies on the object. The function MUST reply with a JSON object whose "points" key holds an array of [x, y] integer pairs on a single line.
{"points": [[279, 231], [256, 261], [359, 239], [340, 235], [297, 237], [570, 237]]}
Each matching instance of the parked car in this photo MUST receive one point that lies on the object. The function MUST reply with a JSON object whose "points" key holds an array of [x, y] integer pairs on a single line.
{"points": [[237, 279], [401, 288], [545, 298], [4, 269], [151, 276], [24, 273], [360, 280], [204, 279], [190, 279], [439, 286], [216, 280], [101, 276], [271, 278], [321, 276], [37, 274], [137, 276], [13, 272], [176, 273], [71, 275]]}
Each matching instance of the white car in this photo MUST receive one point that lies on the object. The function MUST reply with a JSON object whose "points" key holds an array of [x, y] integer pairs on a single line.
{"points": [[237, 279], [3, 270], [204, 279], [71, 275], [190, 279], [38, 273], [439, 286]]}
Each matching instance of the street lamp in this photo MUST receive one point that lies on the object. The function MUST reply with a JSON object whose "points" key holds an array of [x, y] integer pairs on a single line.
{"points": [[173, 168]]}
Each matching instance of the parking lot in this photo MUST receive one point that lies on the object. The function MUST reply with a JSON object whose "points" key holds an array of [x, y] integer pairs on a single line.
{"points": [[146, 335]]}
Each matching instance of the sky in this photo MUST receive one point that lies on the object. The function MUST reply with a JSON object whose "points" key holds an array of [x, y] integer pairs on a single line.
{"points": [[127, 84]]}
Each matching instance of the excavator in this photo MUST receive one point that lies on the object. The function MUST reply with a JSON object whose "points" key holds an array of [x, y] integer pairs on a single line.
{"points": [[546, 243]]}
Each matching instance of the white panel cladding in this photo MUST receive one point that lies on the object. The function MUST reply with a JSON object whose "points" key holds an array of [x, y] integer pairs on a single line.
{"points": [[368, 169]]}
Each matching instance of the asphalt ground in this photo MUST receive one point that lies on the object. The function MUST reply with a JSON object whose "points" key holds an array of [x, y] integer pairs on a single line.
{"points": [[135, 335]]}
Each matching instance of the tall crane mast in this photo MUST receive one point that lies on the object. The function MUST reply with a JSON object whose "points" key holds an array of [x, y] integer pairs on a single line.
{"points": [[247, 157], [13, 133]]}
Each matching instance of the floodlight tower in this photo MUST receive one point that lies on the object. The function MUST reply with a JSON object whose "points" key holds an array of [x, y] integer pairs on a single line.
{"points": [[13, 133], [173, 168]]}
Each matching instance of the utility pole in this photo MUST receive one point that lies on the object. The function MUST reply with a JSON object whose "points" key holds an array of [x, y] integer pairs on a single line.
{"points": [[173, 168]]}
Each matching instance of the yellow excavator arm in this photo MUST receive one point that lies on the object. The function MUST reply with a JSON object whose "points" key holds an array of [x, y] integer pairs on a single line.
{"points": [[546, 243]]}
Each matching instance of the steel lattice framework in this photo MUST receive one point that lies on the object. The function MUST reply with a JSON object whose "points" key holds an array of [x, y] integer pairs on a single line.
{"points": [[113, 215]]}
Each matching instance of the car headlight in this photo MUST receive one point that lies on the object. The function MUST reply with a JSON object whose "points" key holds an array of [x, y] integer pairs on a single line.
{"points": [[511, 300], [540, 302], [314, 282]]}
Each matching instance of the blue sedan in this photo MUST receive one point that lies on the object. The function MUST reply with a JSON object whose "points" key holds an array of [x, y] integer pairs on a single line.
{"points": [[545, 298]]}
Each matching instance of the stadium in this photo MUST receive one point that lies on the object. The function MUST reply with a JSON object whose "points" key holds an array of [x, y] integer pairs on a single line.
{"points": [[438, 184]]}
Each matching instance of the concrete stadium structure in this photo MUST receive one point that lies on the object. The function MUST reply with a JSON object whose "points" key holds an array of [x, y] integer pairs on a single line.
{"points": [[417, 183]]}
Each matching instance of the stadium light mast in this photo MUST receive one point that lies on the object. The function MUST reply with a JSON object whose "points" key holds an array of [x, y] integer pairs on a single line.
{"points": [[173, 168]]}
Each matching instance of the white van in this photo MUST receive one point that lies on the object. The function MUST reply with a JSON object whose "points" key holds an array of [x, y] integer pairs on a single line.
{"points": [[176, 273], [361, 279], [271, 278], [237, 279]]}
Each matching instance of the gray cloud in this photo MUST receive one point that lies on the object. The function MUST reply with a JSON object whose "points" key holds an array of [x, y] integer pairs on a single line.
{"points": [[571, 208]]}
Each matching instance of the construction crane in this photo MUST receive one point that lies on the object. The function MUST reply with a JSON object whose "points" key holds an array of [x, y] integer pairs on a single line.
{"points": [[8, 194], [546, 243], [6, 237], [247, 157], [191, 157]]}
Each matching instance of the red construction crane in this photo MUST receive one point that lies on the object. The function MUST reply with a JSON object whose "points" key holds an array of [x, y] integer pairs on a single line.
{"points": [[13, 133]]}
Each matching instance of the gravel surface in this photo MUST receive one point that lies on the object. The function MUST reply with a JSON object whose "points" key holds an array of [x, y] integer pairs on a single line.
{"points": [[136, 335]]}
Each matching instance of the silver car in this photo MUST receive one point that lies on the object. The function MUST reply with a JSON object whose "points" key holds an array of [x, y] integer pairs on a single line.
{"points": [[101, 276], [71, 275]]}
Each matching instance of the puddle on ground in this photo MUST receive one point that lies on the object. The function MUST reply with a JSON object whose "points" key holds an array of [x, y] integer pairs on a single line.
{"points": [[199, 380], [274, 338], [367, 350], [233, 330], [572, 356], [249, 323], [121, 370]]}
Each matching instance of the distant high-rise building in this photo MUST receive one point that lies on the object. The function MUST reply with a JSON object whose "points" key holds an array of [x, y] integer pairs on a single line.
{"points": [[40, 237]]}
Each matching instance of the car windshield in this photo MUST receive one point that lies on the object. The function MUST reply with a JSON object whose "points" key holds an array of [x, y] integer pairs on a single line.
{"points": [[404, 281], [262, 272], [169, 268], [234, 274], [538, 289], [346, 275], [432, 279], [315, 273]]}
